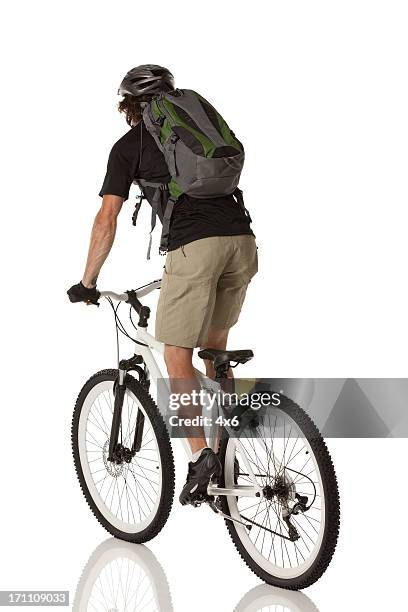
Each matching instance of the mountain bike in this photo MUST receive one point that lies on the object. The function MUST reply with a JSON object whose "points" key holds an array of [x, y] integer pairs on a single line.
{"points": [[277, 492]]}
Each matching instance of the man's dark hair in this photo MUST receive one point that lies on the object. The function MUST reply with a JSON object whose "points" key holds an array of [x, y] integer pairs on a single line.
{"points": [[141, 84], [130, 106]]}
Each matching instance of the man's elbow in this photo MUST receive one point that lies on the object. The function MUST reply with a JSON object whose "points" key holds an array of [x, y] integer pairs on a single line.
{"points": [[109, 211]]}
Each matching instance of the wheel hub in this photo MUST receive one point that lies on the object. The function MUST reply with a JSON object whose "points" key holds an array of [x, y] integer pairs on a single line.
{"points": [[114, 469], [122, 454], [282, 488], [268, 492]]}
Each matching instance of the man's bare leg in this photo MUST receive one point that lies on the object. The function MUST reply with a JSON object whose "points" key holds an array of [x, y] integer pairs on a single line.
{"points": [[179, 362], [205, 463], [217, 339]]}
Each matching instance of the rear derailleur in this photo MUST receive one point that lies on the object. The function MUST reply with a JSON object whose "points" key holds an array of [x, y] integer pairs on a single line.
{"points": [[299, 507]]}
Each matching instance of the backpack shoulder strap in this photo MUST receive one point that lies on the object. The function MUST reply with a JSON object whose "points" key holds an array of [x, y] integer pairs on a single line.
{"points": [[240, 200], [160, 191], [152, 125], [139, 200], [164, 240]]}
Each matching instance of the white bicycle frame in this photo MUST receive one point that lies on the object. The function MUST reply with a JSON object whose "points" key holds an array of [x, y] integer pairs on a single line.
{"points": [[146, 346]]}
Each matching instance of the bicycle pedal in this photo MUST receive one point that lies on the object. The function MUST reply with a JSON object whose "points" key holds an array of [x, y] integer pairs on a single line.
{"points": [[201, 499]]}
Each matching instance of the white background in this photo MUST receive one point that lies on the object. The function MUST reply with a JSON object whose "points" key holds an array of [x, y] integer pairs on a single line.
{"points": [[326, 184]]}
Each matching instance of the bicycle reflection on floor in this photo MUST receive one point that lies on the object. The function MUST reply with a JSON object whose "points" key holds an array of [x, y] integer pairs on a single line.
{"points": [[127, 577]]}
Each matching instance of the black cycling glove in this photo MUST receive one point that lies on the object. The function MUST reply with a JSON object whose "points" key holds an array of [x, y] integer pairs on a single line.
{"points": [[80, 293]]}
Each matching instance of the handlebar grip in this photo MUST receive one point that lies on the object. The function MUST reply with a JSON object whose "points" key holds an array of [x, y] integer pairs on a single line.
{"points": [[142, 311]]}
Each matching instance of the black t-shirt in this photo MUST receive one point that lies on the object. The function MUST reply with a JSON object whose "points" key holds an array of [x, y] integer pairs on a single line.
{"points": [[136, 155]]}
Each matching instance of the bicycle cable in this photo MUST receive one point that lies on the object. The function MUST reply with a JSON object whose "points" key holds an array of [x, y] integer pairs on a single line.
{"points": [[131, 320], [119, 327]]}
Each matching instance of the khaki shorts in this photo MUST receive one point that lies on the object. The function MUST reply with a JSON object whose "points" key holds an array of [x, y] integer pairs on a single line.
{"points": [[204, 284]]}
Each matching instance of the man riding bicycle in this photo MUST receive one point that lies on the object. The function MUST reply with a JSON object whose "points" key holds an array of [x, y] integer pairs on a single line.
{"points": [[211, 257]]}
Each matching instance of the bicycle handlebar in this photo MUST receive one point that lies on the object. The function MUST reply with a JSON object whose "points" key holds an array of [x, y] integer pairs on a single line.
{"points": [[156, 284], [123, 297], [132, 297], [119, 297]]}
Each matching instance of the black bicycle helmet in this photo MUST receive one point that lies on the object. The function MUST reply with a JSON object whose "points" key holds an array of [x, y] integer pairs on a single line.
{"points": [[146, 79]]}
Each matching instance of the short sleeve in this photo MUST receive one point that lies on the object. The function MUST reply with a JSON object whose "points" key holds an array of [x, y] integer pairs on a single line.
{"points": [[119, 173]]}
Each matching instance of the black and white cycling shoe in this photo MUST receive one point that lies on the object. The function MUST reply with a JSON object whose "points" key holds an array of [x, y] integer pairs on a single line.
{"points": [[200, 473]]}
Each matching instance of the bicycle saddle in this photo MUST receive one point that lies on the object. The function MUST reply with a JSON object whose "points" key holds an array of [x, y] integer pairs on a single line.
{"points": [[220, 357]]}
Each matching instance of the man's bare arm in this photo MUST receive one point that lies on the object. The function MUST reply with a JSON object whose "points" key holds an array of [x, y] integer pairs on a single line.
{"points": [[102, 237]]}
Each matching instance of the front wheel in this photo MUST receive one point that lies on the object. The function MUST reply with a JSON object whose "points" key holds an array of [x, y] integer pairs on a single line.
{"points": [[290, 532], [131, 497]]}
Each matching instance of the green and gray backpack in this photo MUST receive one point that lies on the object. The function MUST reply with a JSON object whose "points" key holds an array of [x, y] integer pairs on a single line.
{"points": [[203, 156]]}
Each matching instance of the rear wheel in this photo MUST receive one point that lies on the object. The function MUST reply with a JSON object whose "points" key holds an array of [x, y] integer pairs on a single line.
{"points": [[131, 498], [291, 531]]}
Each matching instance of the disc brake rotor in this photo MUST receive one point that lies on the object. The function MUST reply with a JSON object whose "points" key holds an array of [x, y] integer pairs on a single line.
{"points": [[114, 469]]}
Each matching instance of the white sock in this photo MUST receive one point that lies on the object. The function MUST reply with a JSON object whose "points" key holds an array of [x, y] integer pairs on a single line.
{"points": [[196, 455]]}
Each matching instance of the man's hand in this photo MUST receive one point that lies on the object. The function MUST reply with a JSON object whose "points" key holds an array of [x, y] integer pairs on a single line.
{"points": [[80, 293]]}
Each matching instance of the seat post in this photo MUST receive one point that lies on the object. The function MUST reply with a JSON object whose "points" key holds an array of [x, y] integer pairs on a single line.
{"points": [[221, 371]]}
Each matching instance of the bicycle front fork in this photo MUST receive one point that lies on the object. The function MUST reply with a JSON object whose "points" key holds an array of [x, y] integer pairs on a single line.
{"points": [[117, 452], [119, 391]]}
